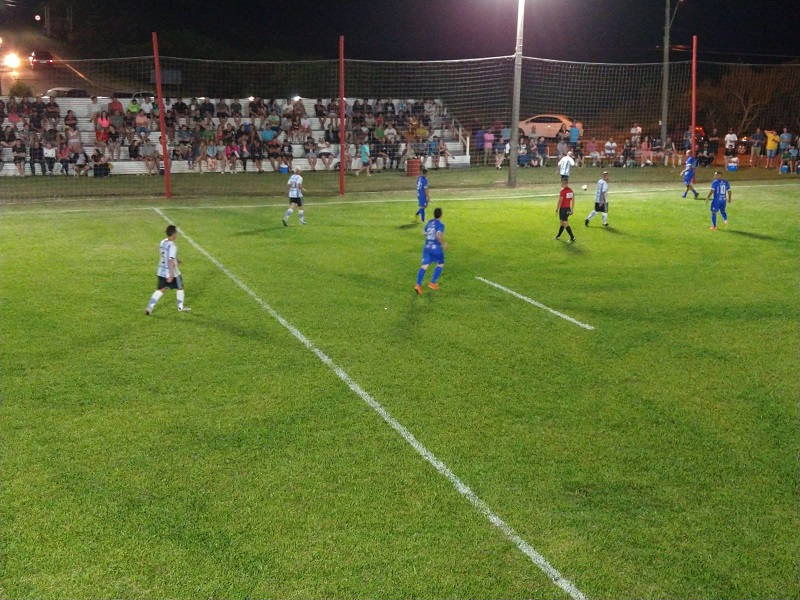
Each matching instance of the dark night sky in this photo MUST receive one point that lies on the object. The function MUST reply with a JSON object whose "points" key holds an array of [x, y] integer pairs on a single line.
{"points": [[583, 30]]}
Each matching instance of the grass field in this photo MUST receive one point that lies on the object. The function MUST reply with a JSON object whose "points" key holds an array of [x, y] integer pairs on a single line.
{"points": [[212, 454]]}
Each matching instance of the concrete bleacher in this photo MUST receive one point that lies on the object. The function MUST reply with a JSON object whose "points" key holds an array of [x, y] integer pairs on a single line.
{"points": [[123, 165]]}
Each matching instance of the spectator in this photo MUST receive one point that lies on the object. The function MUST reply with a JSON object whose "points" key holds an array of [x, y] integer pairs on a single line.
{"points": [[704, 158], [310, 148], [321, 112], [134, 150], [274, 153], [207, 109], [25, 108], [636, 135], [100, 165], [117, 118], [713, 144], [80, 163], [287, 154], [2, 110], [543, 150], [256, 153], [730, 142], [50, 153], [299, 109], [36, 123], [114, 143], [445, 152], [63, 156], [70, 120], [657, 149], [610, 151], [147, 109], [561, 146], [206, 153], [575, 134], [534, 158], [223, 112], [505, 133], [12, 110], [149, 156], [785, 140], [9, 137], [101, 131], [74, 139], [38, 106], [756, 144], [256, 112], [181, 110], [365, 159], [646, 152], [141, 123], [593, 152], [687, 140], [95, 108], [523, 157], [670, 152], [236, 112], [325, 151], [577, 154], [274, 121], [772, 146], [793, 155], [169, 125], [52, 113], [37, 157], [231, 156], [488, 145], [432, 151]]}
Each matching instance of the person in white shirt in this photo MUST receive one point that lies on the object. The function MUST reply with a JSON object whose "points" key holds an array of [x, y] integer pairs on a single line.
{"points": [[611, 150], [565, 164], [49, 157], [147, 107], [296, 192], [390, 132], [169, 273], [730, 143], [95, 108], [600, 201]]}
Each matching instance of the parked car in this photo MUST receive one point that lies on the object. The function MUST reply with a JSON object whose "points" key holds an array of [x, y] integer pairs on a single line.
{"points": [[139, 94], [40, 58], [547, 126], [64, 92]]}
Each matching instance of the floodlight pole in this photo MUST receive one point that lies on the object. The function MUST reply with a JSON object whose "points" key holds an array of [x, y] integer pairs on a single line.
{"points": [[512, 157], [665, 71]]}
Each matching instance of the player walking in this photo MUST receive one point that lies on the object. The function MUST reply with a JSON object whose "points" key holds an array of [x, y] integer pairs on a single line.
{"points": [[169, 275], [565, 164], [720, 195], [423, 196], [565, 207], [296, 191], [688, 174], [433, 251], [600, 201]]}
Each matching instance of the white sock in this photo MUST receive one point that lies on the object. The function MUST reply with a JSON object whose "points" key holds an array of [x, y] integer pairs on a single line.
{"points": [[288, 214], [180, 296], [300, 214], [591, 214], [154, 298], [605, 218]]}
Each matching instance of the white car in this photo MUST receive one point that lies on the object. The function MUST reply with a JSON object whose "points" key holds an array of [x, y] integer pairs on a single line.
{"points": [[547, 126]]}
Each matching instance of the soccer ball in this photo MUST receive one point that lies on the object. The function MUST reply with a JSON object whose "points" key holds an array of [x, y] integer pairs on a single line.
{"points": [[584, 187]]}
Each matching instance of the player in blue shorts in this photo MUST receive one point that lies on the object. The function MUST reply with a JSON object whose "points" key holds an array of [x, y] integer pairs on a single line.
{"points": [[423, 196], [720, 195], [688, 174], [433, 251]]}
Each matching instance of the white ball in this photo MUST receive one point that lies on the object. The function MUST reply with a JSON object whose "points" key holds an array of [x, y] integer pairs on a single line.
{"points": [[584, 187]]}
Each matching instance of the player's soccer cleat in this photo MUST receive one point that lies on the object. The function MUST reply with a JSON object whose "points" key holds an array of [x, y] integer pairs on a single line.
{"points": [[713, 228], [684, 195], [696, 195], [418, 289], [433, 286], [572, 240], [285, 224], [302, 222], [147, 312], [185, 309], [606, 225], [586, 222], [725, 223]]}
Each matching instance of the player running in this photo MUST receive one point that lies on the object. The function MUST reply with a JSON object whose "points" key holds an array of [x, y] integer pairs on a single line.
{"points": [[296, 191], [169, 275], [564, 208], [433, 251], [423, 195], [688, 174], [600, 201], [720, 195]]}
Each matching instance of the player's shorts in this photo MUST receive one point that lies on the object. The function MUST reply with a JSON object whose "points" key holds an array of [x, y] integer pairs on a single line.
{"points": [[601, 207], [298, 200], [687, 178], [718, 206], [176, 284], [422, 203], [563, 214], [565, 178], [430, 256]]}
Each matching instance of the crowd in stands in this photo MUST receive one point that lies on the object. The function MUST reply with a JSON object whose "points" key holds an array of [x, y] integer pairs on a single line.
{"points": [[765, 148], [219, 136]]}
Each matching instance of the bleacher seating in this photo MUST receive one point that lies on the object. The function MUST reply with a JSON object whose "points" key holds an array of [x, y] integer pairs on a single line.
{"points": [[80, 106]]}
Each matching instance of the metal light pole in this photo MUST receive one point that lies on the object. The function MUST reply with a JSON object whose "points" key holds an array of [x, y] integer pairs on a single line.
{"points": [[512, 157], [665, 71]]}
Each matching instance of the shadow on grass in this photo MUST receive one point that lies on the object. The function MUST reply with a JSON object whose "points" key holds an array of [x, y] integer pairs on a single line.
{"points": [[410, 225], [232, 328], [755, 236], [610, 229], [258, 231], [575, 247]]}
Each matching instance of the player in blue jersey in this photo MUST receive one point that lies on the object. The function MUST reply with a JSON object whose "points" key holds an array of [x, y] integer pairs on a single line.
{"points": [[720, 195], [688, 174], [423, 196], [433, 251]]}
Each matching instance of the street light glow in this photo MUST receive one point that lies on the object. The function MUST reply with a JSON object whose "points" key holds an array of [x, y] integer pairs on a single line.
{"points": [[11, 61]]}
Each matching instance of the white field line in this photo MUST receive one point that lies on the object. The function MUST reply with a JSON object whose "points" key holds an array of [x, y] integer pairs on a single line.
{"points": [[535, 303], [282, 204], [437, 464]]}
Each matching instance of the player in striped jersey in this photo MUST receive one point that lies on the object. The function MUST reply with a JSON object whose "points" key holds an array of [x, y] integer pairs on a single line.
{"points": [[600, 201], [296, 192], [169, 273]]}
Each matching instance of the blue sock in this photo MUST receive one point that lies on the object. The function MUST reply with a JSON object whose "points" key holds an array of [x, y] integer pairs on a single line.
{"points": [[714, 219], [421, 214], [684, 194], [420, 275], [724, 215], [437, 272]]}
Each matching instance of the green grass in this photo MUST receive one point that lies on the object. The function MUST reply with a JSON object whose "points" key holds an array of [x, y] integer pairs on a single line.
{"points": [[212, 455]]}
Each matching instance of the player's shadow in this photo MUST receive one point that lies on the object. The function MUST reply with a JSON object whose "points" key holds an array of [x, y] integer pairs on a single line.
{"points": [[409, 226], [755, 236], [611, 230], [257, 231], [575, 248], [232, 328]]}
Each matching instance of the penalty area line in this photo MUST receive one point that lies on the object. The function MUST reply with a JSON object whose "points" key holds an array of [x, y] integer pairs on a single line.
{"points": [[535, 303], [462, 488]]}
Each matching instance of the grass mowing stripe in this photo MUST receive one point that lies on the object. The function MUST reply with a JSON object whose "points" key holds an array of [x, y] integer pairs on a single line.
{"points": [[535, 303], [539, 560]]}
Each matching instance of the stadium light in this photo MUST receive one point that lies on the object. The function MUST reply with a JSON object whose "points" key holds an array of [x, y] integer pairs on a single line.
{"points": [[11, 61], [665, 71], [512, 157], [296, 98]]}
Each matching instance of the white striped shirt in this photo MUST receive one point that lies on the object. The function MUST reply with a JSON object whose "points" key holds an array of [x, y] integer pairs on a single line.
{"points": [[295, 182], [167, 250], [602, 189], [564, 165]]}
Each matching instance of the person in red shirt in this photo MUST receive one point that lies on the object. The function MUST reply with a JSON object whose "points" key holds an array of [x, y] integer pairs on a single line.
{"points": [[565, 207]]}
